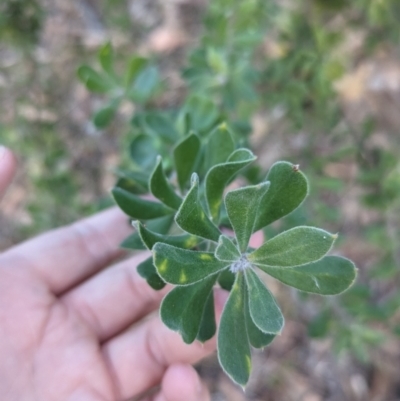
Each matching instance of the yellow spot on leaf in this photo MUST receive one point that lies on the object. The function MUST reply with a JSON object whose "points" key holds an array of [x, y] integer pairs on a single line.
{"points": [[248, 363], [223, 126], [163, 267], [182, 277], [238, 304], [205, 256], [190, 242]]}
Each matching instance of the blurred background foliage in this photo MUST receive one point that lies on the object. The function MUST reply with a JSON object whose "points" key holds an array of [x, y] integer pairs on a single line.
{"points": [[90, 91]]}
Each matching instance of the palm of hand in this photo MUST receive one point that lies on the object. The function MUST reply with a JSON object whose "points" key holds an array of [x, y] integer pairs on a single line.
{"points": [[71, 330], [52, 353], [66, 323]]}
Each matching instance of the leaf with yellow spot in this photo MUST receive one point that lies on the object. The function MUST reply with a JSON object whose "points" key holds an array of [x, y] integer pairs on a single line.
{"points": [[183, 310], [147, 270], [220, 175], [175, 264], [242, 207], [191, 216], [162, 225], [206, 256], [163, 266], [226, 250], [150, 238], [183, 278]]}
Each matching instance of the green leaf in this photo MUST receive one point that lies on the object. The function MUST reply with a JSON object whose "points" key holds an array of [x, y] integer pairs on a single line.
{"points": [[226, 250], [144, 85], [162, 189], [160, 225], [143, 151], [93, 80], [224, 220], [320, 325], [182, 267], [150, 238], [103, 117], [221, 174], [329, 276], [160, 126], [182, 309], [106, 56], [287, 192], [133, 181], [207, 326], [138, 208], [226, 279], [264, 310], [186, 154], [257, 338], [294, 247], [133, 242], [147, 270], [233, 343], [203, 113], [136, 65], [242, 207], [219, 147], [217, 61], [191, 216]]}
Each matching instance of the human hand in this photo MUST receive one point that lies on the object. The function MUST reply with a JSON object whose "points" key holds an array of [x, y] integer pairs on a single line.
{"points": [[66, 322]]}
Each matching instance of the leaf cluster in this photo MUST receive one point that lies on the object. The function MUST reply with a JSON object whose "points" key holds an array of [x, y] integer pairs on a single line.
{"points": [[202, 178], [139, 83], [182, 226]]}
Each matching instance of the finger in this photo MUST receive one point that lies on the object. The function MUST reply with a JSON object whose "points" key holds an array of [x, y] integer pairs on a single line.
{"points": [[148, 349], [8, 166], [113, 299], [257, 239], [182, 383], [63, 257]]}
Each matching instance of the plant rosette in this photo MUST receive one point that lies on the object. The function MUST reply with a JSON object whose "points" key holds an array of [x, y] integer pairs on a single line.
{"points": [[200, 256]]}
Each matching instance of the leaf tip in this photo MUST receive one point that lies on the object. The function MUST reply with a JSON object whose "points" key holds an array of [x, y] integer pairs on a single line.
{"points": [[194, 179], [296, 167]]}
